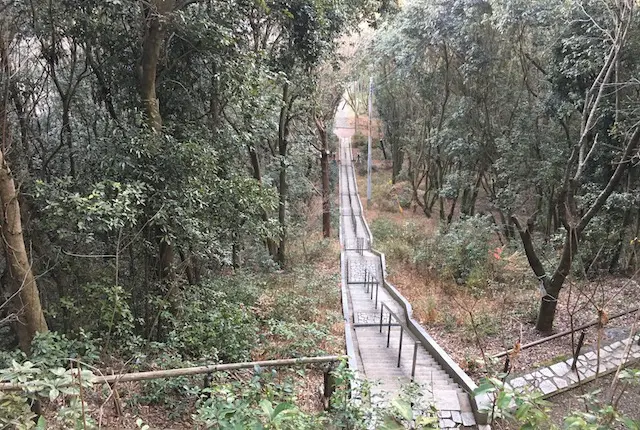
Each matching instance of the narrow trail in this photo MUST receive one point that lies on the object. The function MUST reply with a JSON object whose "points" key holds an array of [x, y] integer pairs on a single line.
{"points": [[389, 352]]}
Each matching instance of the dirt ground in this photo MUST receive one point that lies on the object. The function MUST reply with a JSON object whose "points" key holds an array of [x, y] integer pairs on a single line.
{"points": [[627, 404]]}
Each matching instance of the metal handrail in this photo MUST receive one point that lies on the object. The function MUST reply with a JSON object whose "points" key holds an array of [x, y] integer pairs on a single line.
{"points": [[392, 314]]}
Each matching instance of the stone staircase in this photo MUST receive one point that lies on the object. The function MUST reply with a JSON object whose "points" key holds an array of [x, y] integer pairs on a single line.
{"points": [[386, 351]]}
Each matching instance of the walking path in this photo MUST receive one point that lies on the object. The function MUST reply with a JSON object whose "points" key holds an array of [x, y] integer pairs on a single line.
{"points": [[560, 377], [385, 348]]}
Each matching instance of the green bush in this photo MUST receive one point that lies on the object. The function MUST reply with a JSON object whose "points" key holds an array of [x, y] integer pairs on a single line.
{"points": [[461, 252], [105, 309], [359, 140], [209, 325], [262, 403], [175, 392], [58, 385], [317, 249], [97, 307], [296, 297], [242, 287], [51, 349], [296, 339], [384, 229], [398, 250], [398, 242]]}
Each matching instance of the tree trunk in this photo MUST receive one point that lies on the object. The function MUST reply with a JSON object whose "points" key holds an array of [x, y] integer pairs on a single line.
{"points": [[398, 157], [326, 200], [465, 206], [452, 211], [27, 300], [235, 256], [384, 152], [67, 136], [324, 167], [430, 202], [156, 15], [549, 300], [632, 262], [153, 39], [282, 201], [626, 223], [546, 315], [166, 259], [188, 267], [257, 175], [549, 227], [283, 126], [622, 231]]}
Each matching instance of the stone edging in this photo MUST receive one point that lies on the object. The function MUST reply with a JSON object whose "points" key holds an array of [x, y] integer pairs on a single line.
{"points": [[478, 403]]}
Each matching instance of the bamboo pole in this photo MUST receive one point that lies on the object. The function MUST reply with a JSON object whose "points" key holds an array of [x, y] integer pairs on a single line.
{"points": [[198, 370]]}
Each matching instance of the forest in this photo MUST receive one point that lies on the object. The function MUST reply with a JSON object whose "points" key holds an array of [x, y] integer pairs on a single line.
{"points": [[169, 191], [525, 112]]}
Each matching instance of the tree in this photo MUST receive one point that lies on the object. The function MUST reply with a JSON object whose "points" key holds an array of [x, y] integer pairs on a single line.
{"points": [[153, 144], [328, 94], [575, 217], [22, 283]]}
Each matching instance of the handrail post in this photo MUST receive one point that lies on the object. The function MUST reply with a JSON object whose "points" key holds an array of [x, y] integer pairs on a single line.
{"points": [[381, 313], [377, 287], [371, 288], [413, 366], [329, 386], [366, 290], [366, 277], [389, 329], [348, 272], [400, 346]]}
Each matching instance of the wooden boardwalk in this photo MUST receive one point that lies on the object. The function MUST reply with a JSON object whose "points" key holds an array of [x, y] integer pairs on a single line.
{"points": [[385, 353]]}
